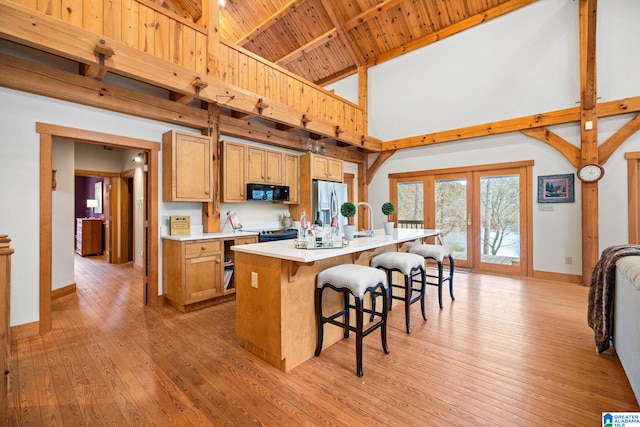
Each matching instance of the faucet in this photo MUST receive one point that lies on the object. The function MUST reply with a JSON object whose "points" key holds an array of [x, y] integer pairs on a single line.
{"points": [[368, 233]]}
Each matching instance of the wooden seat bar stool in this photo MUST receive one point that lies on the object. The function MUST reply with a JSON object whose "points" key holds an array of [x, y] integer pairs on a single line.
{"points": [[409, 265], [437, 253], [356, 280]]}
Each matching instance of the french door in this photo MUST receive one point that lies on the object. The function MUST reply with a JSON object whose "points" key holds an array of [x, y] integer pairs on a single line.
{"points": [[484, 212]]}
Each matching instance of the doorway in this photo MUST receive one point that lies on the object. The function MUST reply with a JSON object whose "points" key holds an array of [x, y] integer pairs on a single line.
{"points": [[484, 212], [150, 231]]}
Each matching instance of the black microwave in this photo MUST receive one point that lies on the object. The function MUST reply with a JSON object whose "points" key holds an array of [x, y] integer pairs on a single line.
{"points": [[271, 193]]}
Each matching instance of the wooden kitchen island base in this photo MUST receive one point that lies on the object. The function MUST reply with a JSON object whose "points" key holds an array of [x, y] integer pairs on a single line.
{"points": [[275, 296]]}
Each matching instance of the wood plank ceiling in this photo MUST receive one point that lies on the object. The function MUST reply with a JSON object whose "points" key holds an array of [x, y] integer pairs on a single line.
{"points": [[325, 40]]}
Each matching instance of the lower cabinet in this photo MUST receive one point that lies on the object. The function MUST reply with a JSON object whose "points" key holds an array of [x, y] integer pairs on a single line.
{"points": [[199, 273]]}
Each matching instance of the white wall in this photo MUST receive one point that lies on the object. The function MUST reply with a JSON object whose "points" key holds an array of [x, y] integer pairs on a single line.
{"points": [[63, 215], [524, 63]]}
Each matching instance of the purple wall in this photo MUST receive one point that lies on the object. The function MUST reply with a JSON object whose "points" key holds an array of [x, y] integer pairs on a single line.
{"points": [[85, 189]]}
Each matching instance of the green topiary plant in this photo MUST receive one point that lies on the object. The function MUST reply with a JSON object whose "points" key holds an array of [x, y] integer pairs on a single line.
{"points": [[348, 210], [388, 209]]}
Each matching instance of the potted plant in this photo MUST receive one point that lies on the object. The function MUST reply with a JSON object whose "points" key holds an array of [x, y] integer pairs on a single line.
{"points": [[388, 209], [348, 210]]}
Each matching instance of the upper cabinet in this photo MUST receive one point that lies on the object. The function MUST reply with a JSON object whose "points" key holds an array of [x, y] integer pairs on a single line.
{"points": [[187, 174], [233, 172], [292, 176], [325, 168], [265, 166]]}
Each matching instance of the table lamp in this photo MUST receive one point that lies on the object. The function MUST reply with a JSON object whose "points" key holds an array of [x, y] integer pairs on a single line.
{"points": [[92, 203]]}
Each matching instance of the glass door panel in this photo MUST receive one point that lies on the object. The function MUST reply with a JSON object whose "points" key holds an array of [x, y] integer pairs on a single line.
{"points": [[410, 210], [453, 215], [499, 223]]}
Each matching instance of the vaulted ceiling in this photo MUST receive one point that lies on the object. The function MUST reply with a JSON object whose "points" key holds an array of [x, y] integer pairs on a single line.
{"points": [[325, 40]]}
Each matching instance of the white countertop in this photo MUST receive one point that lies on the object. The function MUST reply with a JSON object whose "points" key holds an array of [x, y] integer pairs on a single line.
{"points": [[284, 249], [224, 235]]}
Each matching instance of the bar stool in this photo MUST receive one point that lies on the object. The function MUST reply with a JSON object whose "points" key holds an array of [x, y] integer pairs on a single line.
{"points": [[437, 253], [409, 265], [355, 280]]}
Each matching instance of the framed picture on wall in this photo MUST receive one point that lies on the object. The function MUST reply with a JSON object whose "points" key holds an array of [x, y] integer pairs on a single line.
{"points": [[98, 197], [556, 189]]}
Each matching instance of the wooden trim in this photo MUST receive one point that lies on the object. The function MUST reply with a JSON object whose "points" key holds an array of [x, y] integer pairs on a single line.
{"points": [[61, 292], [377, 163], [92, 137], [25, 330], [81, 172], [152, 230], [47, 131], [557, 277], [460, 169], [46, 155], [633, 187]]}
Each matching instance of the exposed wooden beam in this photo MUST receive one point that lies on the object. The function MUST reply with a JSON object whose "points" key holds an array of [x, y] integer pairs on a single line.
{"points": [[569, 115], [588, 135], [318, 41], [34, 30], [371, 13], [606, 149], [29, 77], [493, 128], [450, 30], [568, 150], [355, 55], [244, 129], [377, 163], [267, 23]]}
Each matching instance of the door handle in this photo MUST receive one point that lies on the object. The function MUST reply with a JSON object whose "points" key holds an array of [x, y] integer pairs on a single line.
{"points": [[468, 219]]}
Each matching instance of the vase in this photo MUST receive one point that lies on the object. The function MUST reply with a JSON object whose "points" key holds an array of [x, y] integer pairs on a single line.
{"points": [[349, 231], [388, 227]]}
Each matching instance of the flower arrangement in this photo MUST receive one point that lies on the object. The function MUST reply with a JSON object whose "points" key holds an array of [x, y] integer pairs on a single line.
{"points": [[388, 209]]}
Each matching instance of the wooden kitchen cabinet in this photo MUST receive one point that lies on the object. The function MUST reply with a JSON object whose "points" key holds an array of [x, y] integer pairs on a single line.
{"points": [[187, 172], [292, 176], [325, 168], [199, 273], [234, 184], [89, 236], [191, 272], [264, 166], [313, 166]]}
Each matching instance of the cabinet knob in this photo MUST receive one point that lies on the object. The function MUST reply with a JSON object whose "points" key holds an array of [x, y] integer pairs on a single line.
{"points": [[218, 261], [202, 248]]}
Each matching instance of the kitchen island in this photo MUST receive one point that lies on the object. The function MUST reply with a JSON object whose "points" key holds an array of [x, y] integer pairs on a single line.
{"points": [[275, 286]]}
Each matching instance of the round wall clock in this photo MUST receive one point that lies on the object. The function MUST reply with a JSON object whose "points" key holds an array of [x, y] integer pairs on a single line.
{"points": [[590, 172]]}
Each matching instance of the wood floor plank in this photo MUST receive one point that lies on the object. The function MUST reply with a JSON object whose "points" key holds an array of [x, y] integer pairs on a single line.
{"points": [[508, 352]]}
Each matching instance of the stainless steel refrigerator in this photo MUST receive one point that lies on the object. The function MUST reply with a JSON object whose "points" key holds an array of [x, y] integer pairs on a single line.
{"points": [[326, 201]]}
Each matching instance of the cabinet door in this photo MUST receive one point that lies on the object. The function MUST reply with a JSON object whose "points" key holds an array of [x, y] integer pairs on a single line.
{"points": [[273, 166], [202, 278], [292, 177], [233, 180], [256, 160], [187, 169], [319, 167], [334, 169]]}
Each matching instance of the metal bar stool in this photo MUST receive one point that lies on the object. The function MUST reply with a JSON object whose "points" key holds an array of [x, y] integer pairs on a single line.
{"points": [[437, 253], [356, 280], [409, 265]]}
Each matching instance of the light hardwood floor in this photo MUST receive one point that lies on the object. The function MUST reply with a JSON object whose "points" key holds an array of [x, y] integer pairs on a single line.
{"points": [[507, 352]]}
